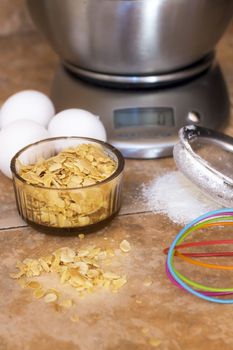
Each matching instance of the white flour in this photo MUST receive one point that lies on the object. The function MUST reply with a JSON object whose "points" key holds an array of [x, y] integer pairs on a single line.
{"points": [[175, 196]]}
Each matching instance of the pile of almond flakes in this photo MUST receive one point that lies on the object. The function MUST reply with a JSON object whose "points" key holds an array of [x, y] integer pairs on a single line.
{"points": [[81, 269], [74, 169]]}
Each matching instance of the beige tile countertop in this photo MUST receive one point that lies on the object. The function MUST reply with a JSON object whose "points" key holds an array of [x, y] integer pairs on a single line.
{"points": [[141, 316]]}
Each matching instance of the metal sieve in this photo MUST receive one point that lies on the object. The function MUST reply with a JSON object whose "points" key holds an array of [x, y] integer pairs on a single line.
{"points": [[206, 158]]}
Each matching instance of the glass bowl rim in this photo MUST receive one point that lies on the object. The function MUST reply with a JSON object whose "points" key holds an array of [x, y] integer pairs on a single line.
{"points": [[106, 145]]}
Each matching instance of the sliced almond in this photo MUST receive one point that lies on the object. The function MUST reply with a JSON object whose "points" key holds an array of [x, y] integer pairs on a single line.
{"points": [[67, 303], [125, 246], [74, 318], [39, 293], [147, 282], [50, 297], [33, 285], [154, 342], [111, 275], [67, 255]]}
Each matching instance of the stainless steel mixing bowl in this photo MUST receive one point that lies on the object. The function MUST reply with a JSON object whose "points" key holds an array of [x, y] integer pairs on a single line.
{"points": [[132, 36]]}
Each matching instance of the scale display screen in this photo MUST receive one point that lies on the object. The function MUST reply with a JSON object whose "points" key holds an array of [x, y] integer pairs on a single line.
{"points": [[148, 116]]}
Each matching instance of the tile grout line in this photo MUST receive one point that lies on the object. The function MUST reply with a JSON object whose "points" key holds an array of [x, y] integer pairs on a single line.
{"points": [[12, 227], [136, 212], [25, 226]]}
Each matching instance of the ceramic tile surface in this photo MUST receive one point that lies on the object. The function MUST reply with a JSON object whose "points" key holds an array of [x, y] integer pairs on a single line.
{"points": [[14, 17], [133, 318]]}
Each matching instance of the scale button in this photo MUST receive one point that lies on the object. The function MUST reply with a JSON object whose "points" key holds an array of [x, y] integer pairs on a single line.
{"points": [[193, 117]]}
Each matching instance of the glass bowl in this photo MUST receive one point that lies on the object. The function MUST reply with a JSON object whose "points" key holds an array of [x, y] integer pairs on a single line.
{"points": [[64, 210]]}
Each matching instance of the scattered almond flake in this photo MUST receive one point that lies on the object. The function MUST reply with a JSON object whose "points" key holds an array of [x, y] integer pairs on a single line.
{"points": [[125, 246], [67, 255], [67, 303], [50, 297], [105, 238], [44, 265], [145, 330], [93, 273], [39, 293], [74, 318], [57, 307], [82, 267], [22, 282], [102, 255], [35, 268], [83, 253], [53, 291], [25, 261], [154, 342], [118, 283], [110, 252], [81, 236], [114, 291], [147, 282], [138, 301], [108, 262], [20, 265], [65, 276], [16, 275], [33, 284], [111, 275]]}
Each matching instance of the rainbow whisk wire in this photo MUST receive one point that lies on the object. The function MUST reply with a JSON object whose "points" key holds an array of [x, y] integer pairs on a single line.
{"points": [[222, 217]]}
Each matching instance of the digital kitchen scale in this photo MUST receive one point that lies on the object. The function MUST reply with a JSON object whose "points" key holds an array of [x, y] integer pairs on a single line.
{"points": [[142, 120]]}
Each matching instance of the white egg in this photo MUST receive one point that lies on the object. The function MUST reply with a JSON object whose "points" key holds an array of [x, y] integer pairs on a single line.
{"points": [[16, 136], [27, 104], [77, 122]]}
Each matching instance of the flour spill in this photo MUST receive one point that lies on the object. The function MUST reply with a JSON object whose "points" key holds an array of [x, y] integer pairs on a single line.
{"points": [[175, 196]]}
